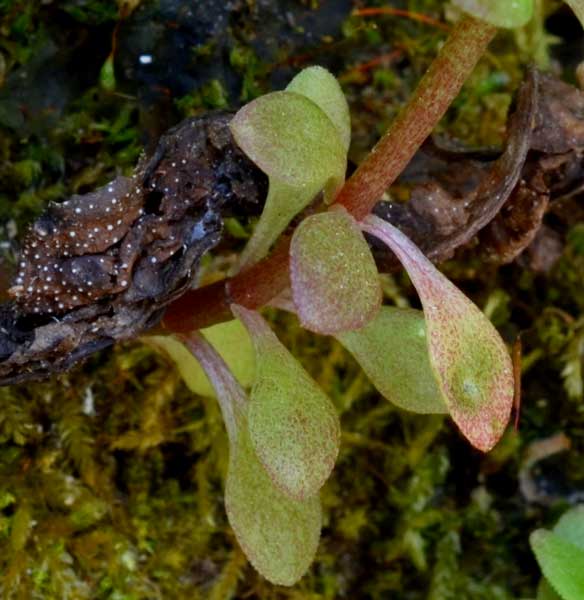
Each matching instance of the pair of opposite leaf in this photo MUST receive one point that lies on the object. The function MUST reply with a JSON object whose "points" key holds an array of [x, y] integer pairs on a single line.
{"points": [[453, 360], [283, 439]]}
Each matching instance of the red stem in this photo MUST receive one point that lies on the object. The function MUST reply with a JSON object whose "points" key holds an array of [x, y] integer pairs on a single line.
{"points": [[434, 94], [400, 12], [438, 88]]}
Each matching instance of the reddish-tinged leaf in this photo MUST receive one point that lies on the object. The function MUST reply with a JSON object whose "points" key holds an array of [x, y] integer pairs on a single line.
{"points": [[293, 425], [230, 340], [278, 534], [334, 279], [469, 358]]}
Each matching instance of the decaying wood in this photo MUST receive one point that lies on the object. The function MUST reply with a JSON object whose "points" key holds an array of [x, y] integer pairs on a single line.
{"points": [[103, 267]]}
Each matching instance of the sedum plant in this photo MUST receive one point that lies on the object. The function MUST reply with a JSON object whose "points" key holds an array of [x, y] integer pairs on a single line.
{"points": [[284, 432]]}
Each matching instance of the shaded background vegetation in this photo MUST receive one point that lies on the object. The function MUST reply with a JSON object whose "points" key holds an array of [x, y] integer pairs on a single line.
{"points": [[111, 477]]}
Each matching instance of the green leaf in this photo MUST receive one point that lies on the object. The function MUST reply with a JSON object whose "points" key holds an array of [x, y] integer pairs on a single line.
{"points": [[334, 279], [393, 352], [278, 534], [500, 13], [320, 86], [470, 361], [292, 139], [294, 427], [570, 527], [231, 341], [561, 562]]}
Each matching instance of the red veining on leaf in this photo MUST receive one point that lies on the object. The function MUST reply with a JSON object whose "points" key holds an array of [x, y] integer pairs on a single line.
{"points": [[470, 360]]}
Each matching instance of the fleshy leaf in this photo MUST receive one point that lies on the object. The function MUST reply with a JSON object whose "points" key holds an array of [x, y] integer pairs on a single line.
{"points": [[571, 526], [334, 279], [292, 140], [561, 562], [278, 534], [469, 358], [500, 13], [320, 86], [294, 427], [295, 143], [393, 352], [233, 344]]}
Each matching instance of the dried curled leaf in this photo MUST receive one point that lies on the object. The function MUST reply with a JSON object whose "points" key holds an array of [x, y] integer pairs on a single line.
{"points": [[518, 222], [107, 263], [393, 351], [293, 425], [278, 534], [470, 361], [455, 193], [334, 279]]}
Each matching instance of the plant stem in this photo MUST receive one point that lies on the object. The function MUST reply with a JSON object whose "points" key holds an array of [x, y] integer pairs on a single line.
{"points": [[438, 88], [434, 94]]}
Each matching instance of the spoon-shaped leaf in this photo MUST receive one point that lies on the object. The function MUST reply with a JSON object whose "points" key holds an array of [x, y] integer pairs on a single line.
{"points": [[293, 425], [278, 534], [282, 204], [334, 279], [229, 339], [469, 358], [393, 352], [291, 139], [320, 86], [295, 143], [500, 13]]}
